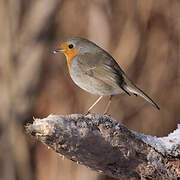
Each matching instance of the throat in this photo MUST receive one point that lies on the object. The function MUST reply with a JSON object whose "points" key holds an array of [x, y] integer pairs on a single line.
{"points": [[69, 62], [70, 57]]}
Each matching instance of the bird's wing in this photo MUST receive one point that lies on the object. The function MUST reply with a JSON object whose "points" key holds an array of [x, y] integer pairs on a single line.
{"points": [[104, 68]]}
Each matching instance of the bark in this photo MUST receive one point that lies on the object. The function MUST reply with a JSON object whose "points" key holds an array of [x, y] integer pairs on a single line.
{"points": [[108, 147]]}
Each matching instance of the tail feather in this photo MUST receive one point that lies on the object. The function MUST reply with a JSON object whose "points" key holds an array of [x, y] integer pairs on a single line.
{"points": [[130, 87]]}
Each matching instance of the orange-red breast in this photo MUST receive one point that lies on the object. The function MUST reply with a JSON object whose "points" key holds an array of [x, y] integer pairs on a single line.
{"points": [[96, 71]]}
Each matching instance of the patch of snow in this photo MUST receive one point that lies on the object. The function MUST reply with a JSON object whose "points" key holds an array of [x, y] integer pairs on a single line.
{"points": [[168, 146]]}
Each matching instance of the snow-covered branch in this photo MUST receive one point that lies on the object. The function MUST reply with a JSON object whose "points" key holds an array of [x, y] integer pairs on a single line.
{"points": [[107, 146]]}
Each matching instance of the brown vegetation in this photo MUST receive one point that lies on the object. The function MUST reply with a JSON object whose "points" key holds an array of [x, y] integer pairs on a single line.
{"points": [[143, 36]]}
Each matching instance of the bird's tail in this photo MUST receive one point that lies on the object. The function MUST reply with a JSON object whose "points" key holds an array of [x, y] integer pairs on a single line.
{"points": [[129, 86]]}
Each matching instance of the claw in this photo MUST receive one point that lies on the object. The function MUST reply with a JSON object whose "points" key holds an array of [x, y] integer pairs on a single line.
{"points": [[88, 112]]}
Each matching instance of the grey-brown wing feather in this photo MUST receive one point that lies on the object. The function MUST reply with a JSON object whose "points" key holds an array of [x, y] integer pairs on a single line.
{"points": [[104, 68]]}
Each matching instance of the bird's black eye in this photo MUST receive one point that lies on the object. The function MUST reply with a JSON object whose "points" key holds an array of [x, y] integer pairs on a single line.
{"points": [[71, 46]]}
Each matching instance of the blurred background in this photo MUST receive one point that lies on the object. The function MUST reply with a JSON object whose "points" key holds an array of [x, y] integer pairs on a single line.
{"points": [[143, 36]]}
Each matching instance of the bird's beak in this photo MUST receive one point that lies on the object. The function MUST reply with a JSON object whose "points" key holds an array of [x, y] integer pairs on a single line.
{"points": [[58, 50]]}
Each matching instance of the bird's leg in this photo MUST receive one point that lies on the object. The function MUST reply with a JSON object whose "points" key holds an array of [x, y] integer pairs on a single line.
{"points": [[94, 104], [108, 105]]}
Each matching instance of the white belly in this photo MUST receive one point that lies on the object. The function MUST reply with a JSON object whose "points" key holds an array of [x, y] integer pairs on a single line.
{"points": [[89, 83]]}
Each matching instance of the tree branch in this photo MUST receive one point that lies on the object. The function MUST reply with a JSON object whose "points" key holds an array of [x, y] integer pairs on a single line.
{"points": [[107, 146]]}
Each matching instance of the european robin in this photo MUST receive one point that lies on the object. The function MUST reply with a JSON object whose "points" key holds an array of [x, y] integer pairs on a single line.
{"points": [[96, 71]]}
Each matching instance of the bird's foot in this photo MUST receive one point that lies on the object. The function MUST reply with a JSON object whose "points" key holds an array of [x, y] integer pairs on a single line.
{"points": [[88, 112], [106, 114]]}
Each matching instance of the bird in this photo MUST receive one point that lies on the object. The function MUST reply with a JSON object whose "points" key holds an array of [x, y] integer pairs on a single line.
{"points": [[97, 72]]}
